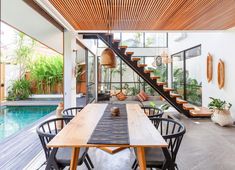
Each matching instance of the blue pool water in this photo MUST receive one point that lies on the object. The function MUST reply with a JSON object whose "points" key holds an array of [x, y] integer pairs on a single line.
{"points": [[15, 118]]}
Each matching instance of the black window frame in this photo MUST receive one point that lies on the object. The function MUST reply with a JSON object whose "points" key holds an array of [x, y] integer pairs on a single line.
{"points": [[184, 68], [144, 46]]}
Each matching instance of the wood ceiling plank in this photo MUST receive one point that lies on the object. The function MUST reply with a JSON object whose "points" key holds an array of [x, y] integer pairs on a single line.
{"points": [[147, 14]]}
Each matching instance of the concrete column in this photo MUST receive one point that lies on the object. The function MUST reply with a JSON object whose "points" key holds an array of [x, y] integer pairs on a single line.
{"points": [[69, 69]]}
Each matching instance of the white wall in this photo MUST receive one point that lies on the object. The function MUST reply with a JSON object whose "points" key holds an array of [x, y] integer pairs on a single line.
{"points": [[221, 45], [21, 16], [12, 74], [69, 69]]}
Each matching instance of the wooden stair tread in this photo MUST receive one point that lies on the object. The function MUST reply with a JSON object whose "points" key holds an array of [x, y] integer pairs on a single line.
{"points": [[135, 58], [168, 89], [116, 40], [142, 65], [155, 77], [188, 106], [200, 112], [129, 53], [181, 101], [161, 83], [123, 46], [148, 71], [175, 95]]}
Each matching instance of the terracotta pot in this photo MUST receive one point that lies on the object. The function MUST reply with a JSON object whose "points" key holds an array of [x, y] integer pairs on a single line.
{"points": [[222, 117]]}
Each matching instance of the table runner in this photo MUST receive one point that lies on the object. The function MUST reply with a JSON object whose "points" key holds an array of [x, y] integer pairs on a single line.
{"points": [[111, 129]]}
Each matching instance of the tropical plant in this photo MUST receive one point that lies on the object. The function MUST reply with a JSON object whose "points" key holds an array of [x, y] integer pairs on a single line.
{"points": [[19, 90], [218, 104], [163, 107], [160, 71], [47, 71], [194, 94], [193, 91], [24, 52]]}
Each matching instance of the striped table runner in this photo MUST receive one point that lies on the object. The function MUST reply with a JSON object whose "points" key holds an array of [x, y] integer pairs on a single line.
{"points": [[110, 129]]}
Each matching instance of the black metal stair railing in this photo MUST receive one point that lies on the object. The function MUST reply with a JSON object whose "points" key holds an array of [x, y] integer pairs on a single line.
{"points": [[108, 40]]}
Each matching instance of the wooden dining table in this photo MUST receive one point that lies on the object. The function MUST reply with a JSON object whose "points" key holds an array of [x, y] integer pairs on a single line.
{"points": [[77, 132]]}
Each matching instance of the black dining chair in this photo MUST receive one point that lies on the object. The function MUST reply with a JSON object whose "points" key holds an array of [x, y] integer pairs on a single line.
{"points": [[59, 158], [172, 131], [71, 112], [152, 111]]}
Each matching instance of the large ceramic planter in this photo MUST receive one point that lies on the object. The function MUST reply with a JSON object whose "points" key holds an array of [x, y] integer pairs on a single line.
{"points": [[222, 117]]}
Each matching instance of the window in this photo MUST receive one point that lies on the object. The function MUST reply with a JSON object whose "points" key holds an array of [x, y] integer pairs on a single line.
{"points": [[116, 36], [193, 75], [125, 79], [90, 77], [139, 40], [133, 39], [155, 40], [178, 73], [186, 75]]}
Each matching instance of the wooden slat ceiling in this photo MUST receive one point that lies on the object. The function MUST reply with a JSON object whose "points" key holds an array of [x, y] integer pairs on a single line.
{"points": [[148, 14]]}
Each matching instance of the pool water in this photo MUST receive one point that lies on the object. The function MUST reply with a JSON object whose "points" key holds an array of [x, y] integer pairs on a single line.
{"points": [[15, 118]]}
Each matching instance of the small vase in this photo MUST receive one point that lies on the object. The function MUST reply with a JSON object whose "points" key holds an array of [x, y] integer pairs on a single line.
{"points": [[222, 117]]}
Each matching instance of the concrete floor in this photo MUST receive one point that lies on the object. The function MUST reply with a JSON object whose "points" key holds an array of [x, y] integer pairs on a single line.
{"points": [[205, 146]]}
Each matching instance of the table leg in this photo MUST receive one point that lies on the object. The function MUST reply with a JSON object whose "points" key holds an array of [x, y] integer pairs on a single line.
{"points": [[141, 158], [74, 158]]}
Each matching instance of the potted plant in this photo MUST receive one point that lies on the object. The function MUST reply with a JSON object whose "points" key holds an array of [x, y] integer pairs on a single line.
{"points": [[221, 113]]}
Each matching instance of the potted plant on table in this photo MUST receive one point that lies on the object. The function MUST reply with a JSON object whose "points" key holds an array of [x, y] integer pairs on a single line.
{"points": [[221, 112]]}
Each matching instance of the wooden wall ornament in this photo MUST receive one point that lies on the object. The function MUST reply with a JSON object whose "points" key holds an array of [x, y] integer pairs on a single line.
{"points": [[221, 74], [209, 67]]}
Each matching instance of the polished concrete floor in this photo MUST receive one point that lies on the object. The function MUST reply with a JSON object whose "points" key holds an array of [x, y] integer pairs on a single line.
{"points": [[205, 146]]}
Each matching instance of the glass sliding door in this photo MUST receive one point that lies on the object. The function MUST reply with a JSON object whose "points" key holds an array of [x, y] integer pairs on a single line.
{"points": [[194, 78], [178, 73], [90, 62]]}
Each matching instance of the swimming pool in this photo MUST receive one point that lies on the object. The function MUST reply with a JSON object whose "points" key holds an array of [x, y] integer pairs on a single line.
{"points": [[15, 118]]}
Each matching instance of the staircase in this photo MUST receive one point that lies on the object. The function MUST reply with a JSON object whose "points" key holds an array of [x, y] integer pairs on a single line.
{"points": [[173, 99]]}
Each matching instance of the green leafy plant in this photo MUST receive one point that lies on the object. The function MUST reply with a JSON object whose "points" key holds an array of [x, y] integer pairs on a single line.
{"points": [[19, 90], [24, 51], [219, 104], [163, 107], [193, 90], [160, 71], [47, 71]]}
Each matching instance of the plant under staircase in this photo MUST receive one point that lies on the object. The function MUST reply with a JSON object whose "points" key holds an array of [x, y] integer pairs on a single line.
{"points": [[173, 99]]}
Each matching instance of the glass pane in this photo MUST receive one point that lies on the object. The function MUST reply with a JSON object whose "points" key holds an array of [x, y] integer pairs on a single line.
{"points": [[155, 39], [178, 73], [133, 39], [128, 75], [116, 35], [104, 73], [101, 44], [90, 77], [158, 70], [131, 89], [193, 76]]}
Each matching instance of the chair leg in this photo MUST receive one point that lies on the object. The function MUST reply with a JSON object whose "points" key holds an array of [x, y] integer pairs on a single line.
{"points": [[133, 165], [89, 160], [51, 160], [87, 164], [136, 166]]}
